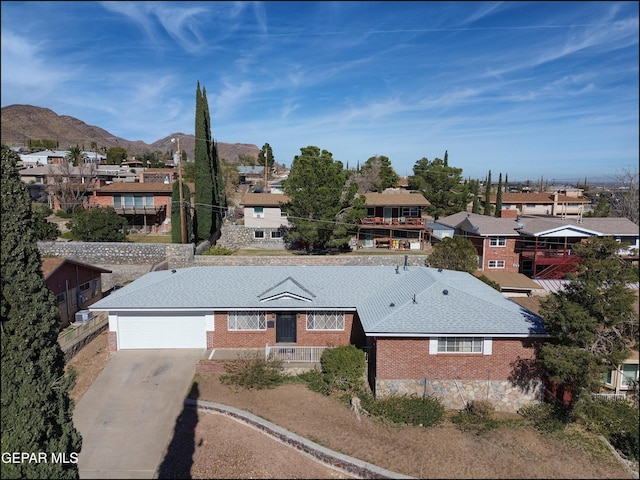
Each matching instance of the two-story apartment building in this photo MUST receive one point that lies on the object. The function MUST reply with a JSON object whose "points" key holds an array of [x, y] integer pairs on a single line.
{"points": [[395, 220], [264, 216], [552, 204]]}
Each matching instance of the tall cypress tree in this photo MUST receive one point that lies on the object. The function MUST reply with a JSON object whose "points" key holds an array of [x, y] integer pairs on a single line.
{"points": [[499, 196], [210, 197], [176, 220], [487, 195], [36, 408]]}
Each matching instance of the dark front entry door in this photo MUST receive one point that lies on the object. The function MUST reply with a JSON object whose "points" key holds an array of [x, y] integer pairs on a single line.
{"points": [[286, 328]]}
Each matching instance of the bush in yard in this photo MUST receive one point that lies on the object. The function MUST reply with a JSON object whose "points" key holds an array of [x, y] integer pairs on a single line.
{"points": [[343, 368], [477, 416], [616, 420], [407, 409], [546, 417], [98, 224], [253, 372]]}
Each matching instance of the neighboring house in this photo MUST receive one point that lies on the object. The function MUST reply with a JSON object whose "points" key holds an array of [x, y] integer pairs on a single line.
{"points": [[622, 380], [539, 247], [264, 217], [513, 285], [395, 219], [76, 285], [250, 174], [158, 175], [426, 331], [43, 181], [552, 204], [146, 206], [45, 157]]}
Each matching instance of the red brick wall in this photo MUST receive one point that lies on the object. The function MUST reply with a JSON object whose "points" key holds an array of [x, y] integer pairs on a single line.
{"points": [[409, 359], [107, 201], [506, 253], [223, 338]]}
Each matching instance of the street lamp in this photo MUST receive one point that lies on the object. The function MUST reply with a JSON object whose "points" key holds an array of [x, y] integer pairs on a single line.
{"points": [[183, 223]]}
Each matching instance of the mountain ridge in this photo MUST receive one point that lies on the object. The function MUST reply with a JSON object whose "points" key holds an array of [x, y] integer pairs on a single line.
{"points": [[21, 123]]}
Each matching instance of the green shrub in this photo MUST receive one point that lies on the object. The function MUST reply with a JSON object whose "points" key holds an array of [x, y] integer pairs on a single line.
{"points": [[407, 409], [546, 417], [481, 408], [253, 372], [218, 250], [315, 381], [343, 368], [616, 420]]}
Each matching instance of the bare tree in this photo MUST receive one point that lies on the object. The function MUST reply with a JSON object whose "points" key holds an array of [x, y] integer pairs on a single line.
{"points": [[625, 202], [70, 185]]}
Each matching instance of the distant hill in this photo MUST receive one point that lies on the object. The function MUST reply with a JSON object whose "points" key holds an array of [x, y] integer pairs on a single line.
{"points": [[21, 123]]}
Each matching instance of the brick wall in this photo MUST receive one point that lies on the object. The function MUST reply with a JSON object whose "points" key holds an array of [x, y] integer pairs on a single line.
{"points": [[506, 253], [223, 338]]}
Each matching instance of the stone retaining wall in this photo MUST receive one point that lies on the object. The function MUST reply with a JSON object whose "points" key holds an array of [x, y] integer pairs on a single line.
{"points": [[455, 394], [340, 260]]}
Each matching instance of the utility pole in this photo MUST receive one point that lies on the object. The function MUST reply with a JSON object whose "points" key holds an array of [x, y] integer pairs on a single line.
{"points": [[183, 222]]}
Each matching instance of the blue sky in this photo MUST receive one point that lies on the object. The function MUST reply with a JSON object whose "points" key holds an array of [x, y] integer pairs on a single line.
{"points": [[527, 89]]}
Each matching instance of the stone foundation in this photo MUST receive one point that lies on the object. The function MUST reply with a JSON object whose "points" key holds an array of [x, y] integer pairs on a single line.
{"points": [[454, 394]]}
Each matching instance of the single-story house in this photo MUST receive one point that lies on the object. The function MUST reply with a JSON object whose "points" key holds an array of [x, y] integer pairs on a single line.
{"points": [[76, 285], [425, 330]]}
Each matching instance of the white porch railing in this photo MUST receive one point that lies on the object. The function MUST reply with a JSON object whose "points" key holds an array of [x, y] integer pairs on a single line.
{"points": [[611, 396], [294, 353]]}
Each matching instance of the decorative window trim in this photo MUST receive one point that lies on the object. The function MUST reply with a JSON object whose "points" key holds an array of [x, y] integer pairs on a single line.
{"points": [[447, 345], [326, 320], [246, 321]]}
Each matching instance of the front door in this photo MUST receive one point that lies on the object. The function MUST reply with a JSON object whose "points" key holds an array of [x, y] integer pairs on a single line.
{"points": [[286, 327]]}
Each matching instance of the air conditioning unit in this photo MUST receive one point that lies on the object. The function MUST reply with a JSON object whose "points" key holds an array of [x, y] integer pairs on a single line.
{"points": [[84, 316]]}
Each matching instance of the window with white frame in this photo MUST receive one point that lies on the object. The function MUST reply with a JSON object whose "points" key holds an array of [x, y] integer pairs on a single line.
{"points": [[276, 234], [325, 320], [629, 374], [411, 211], [460, 344], [258, 234], [496, 263], [85, 286], [247, 321], [258, 212], [498, 241]]}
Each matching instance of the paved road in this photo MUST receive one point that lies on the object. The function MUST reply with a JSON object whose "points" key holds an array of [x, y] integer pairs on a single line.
{"points": [[127, 416]]}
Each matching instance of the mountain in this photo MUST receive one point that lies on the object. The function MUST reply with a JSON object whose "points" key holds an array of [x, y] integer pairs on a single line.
{"points": [[21, 123]]}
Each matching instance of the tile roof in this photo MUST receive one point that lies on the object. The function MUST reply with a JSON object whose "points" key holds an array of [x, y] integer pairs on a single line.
{"points": [[589, 226], [446, 302]]}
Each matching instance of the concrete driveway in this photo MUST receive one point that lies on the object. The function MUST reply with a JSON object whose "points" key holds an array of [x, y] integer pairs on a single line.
{"points": [[128, 415]]}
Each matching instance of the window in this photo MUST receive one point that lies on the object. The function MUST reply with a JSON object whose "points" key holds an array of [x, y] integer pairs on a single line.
{"points": [[258, 234], [283, 214], [410, 211], [496, 263], [247, 321], [85, 286], [608, 377], [60, 298], [325, 320], [629, 374], [460, 345], [498, 241], [258, 212], [276, 234]]}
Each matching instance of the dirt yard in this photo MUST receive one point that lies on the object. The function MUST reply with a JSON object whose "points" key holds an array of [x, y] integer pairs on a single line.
{"points": [[212, 446]]}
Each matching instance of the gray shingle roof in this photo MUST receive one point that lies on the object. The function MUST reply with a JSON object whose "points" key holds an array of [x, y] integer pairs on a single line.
{"points": [[468, 307]]}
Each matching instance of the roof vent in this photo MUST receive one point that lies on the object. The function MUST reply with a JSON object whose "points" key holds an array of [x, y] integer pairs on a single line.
{"points": [[397, 268], [445, 292], [440, 270], [173, 271], [392, 304], [414, 298]]}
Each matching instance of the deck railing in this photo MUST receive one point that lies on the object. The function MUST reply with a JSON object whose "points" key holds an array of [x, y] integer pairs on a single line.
{"points": [[79, 328], [611, 396], [294, 353]]}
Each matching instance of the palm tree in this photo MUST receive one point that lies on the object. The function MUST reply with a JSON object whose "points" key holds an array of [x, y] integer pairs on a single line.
{"points": [[76, 156]]}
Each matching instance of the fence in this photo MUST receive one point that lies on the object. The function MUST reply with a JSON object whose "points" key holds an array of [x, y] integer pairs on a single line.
{"points": [[611, 396], [294, 354], [78, 329]]}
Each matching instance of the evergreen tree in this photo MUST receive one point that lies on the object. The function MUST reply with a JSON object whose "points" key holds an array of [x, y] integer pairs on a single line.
{"points": [[499, 196], [487, 195], [265, 158], [323, 211], [593, 320], [36, 408], [441, 185], [99, 224], [454, 253], [210, 198], [446, 158], [475, 190]]}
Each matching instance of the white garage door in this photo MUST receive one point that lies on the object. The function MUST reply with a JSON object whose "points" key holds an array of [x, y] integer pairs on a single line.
{"points": [[161, 331]]}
